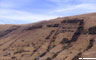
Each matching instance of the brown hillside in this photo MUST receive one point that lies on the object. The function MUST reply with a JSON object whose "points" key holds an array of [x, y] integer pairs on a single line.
{"points": [[66, 38]]}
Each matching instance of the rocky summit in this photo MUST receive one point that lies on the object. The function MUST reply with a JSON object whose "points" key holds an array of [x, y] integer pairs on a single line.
{"points": [[65, 38]]}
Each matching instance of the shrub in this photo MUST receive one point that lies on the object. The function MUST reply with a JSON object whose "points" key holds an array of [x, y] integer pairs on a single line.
{"points": [[77, 56], [92, 30], [34, 27], [48, 58], [65, 40], [56, 25], [49, 25], [90, 44]]}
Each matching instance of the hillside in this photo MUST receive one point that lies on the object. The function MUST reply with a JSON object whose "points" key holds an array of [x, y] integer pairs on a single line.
{"points": [[66, 38]]}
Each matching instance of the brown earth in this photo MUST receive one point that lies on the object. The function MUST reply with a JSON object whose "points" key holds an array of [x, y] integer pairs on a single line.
{"points": [[66, 38]]}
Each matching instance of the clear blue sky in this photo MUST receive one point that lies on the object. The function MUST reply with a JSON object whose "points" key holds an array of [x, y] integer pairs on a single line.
{"points": [[30, 11]]}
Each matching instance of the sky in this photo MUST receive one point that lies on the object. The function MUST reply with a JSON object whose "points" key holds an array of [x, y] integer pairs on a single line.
{"points": [[30, 11]]}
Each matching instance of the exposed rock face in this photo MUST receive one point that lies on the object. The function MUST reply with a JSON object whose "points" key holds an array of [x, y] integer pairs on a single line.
{"points": [[59, 39]]}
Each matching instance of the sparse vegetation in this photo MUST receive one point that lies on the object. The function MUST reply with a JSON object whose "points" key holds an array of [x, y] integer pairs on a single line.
{"points": [[48, 41]]}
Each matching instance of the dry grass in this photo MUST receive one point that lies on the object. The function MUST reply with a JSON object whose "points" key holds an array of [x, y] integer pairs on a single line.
{"points": [[24, 44]]}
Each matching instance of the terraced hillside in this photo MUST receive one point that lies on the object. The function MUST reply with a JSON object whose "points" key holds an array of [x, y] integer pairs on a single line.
{"points": [[65, 38]]}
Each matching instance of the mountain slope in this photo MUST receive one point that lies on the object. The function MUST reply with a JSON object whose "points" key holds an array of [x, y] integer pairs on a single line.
{"points": [[65, 38]]}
